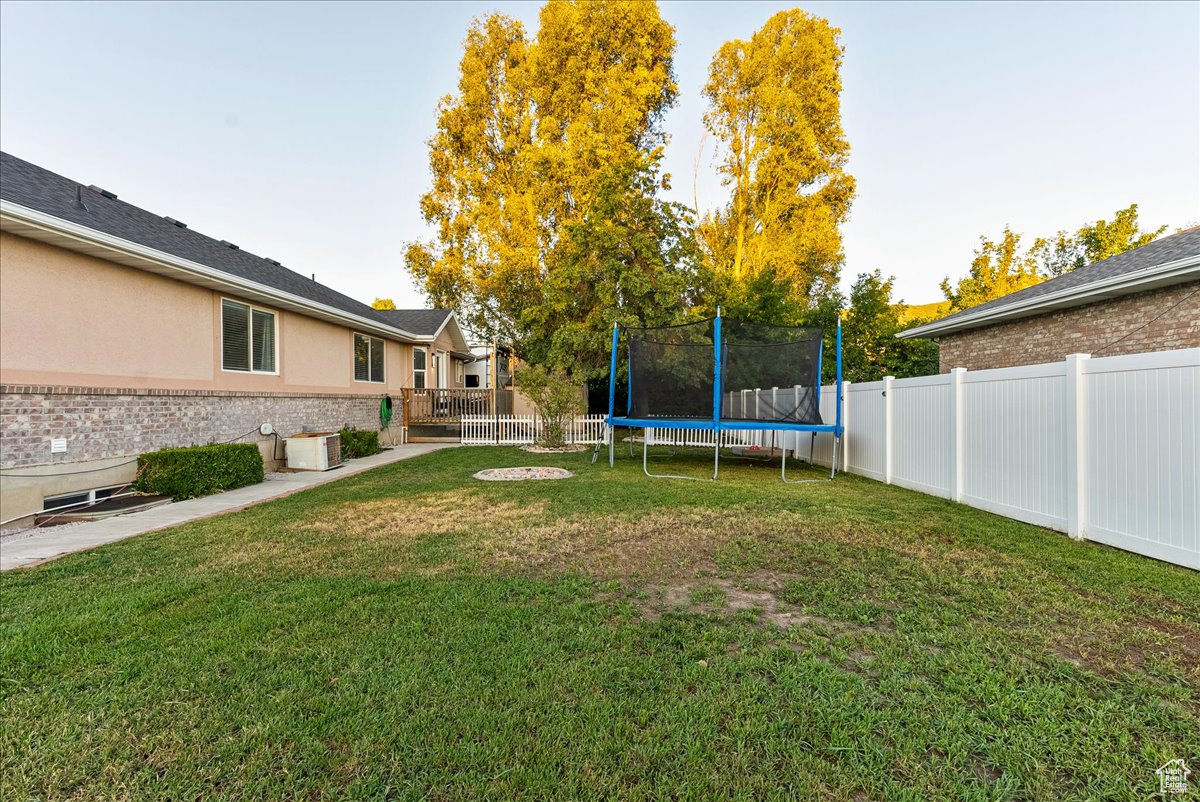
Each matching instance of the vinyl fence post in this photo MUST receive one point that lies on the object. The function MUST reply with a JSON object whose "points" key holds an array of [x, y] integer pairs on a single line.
{"points": [[845, 407], [956, 437], [1075, 421], [887, 429]]}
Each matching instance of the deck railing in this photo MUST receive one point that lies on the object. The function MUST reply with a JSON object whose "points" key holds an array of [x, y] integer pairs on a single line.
{"points": [[439, 405]]}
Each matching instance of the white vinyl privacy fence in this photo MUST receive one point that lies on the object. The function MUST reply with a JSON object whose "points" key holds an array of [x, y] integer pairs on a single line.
{"points": [[1106, 449]]}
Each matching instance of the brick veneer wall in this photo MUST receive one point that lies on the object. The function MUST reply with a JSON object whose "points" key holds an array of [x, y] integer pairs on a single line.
{"points": [[1090, 329], [100, 422]]}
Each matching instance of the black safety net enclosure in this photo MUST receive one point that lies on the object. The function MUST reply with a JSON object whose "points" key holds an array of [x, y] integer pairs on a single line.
{"points": [[783, 363], [673, 371]]}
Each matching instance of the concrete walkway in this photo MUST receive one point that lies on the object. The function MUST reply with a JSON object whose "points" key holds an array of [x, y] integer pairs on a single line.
{"points": [[46, 544]]}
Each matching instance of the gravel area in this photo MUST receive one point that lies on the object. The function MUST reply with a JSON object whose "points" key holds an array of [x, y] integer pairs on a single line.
{"points": [[522, 474], [7, 535]]}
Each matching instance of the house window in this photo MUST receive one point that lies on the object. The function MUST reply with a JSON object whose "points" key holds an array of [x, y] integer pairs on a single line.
{"points": [[247, 338], [419, 356], [80, 498], [368, 358]]}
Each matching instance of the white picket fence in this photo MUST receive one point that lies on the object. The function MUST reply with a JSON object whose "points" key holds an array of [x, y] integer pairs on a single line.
{"points": [[1106, 449], [520, 430], [704, 438]]}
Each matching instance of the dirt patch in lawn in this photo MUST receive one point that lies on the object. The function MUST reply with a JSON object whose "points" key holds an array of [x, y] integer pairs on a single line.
{"points": [[1114, 648], [726, 598]]}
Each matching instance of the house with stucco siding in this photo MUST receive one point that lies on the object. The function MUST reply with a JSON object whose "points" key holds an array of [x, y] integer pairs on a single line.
{"points": [[1146, 299], [123, 331]]}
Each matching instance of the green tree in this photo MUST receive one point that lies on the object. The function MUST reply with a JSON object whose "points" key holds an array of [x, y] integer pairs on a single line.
{"points": [[1091, 243], [870, 349], [774, 108], [999, 268], [1003, 267], [630, 259], [383, 303], [522, 150]]}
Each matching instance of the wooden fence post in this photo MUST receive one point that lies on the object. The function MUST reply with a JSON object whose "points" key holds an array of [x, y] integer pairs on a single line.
{"points": [[1075, 423]]}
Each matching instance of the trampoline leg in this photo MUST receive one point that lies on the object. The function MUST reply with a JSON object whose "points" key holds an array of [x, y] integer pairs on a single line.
{"points": [[612, 437], [646, 467], [837, 440], [783, 473], [783, 466], [717, 457]]}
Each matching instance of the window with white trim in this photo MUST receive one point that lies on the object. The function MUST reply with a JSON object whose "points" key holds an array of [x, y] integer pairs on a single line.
{"points": [[368, 358], [247, 337], [419, 357]]}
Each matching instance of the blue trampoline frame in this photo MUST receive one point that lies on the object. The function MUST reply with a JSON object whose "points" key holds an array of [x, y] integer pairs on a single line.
{"points": [[717, 425]]}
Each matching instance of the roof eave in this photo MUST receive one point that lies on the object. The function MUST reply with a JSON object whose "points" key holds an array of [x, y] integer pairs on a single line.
{"points": [[1163, 275], [461, 340], [22, 220]]}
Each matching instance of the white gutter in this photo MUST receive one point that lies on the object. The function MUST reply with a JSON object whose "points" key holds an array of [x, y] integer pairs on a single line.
{"points": [[192, 270], [1164, 274]]}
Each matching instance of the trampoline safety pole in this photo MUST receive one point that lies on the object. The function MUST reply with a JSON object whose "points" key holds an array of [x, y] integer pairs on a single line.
{"points": [[837, 436], [612, 395], [717, 394]]}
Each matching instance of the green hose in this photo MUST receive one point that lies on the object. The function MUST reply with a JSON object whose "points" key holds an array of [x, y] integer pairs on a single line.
{"points": [[385, 411]]}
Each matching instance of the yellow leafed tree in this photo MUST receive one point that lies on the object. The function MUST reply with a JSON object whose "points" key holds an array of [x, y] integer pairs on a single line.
{"points": [[775, 110], [520, 149]]}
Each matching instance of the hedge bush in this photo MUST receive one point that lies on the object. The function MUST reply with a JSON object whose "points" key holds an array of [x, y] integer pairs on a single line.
{"points": [[199, 470], [359, 442]]}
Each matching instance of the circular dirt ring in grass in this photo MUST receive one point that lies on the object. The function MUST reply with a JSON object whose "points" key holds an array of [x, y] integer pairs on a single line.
{"points": [[522, 474]]}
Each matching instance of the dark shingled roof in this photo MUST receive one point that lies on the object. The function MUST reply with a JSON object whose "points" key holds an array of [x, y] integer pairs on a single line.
{"points": [[1160, 252], [422, 322], [36, 188]]}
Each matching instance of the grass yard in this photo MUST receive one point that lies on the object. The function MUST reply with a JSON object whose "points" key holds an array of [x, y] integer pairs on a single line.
{"points": [[414, 634]]}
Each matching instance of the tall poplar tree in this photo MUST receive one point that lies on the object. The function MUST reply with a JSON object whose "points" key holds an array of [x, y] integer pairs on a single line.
{"points": [[539, 135], [775, 110]]}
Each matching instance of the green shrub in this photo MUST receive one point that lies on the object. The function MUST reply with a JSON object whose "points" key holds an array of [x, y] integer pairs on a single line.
{"points": [[557, 399], [359, 442], [199, 470]]}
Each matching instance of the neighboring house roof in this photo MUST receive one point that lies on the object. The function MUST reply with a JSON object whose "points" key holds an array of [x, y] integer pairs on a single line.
{"points": [[1169, 260], [428, 323], [419, 321], [39, 204]]}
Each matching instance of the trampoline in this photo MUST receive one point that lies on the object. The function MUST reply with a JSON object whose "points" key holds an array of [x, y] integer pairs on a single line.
{"points": [[723, 375]]}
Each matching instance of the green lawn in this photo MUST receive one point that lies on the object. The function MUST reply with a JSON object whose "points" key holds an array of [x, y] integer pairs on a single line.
{"points": [[412, 633]]}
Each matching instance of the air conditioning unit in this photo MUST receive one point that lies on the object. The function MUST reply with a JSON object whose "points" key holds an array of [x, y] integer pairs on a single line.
{"points": [[318, 451]]}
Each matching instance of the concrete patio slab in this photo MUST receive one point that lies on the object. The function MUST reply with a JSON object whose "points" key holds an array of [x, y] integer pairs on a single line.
{"points": [[41, 545]]}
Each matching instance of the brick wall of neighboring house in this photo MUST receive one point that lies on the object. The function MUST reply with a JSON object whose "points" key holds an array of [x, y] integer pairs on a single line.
{"points": [[106, 427], [1090, 329]]}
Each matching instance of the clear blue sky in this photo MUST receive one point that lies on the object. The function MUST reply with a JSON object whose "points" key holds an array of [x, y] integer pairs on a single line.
{"points": [[297, 130]]}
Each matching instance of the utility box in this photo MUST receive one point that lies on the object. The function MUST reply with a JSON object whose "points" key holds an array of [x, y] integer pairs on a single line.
{"points": [[315, 451]]}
